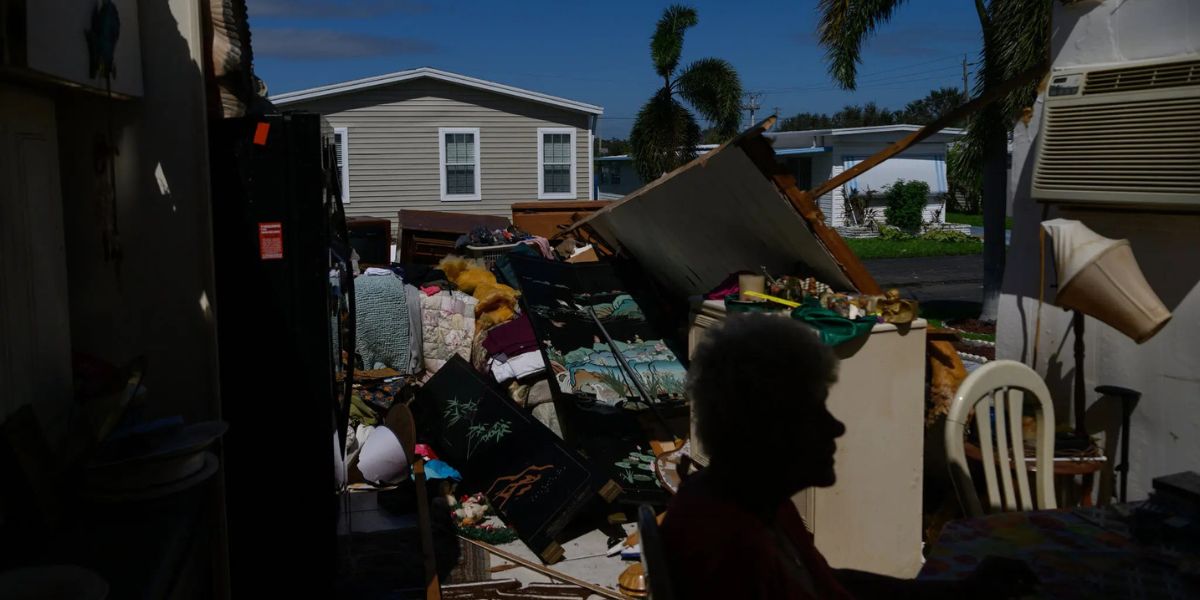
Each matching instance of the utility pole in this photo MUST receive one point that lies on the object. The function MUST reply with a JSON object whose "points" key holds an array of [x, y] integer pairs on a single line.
{"points": [[752, 105], [966, 92]]}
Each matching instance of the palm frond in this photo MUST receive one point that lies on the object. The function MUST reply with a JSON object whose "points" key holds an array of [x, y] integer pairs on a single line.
{"points": [[663, 137], [843, 27], [667, 44], [714, 89], [1018, 39]]}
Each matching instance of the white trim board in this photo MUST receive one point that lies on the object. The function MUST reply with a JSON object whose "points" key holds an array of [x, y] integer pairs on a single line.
{"points": [[455, 78], [541, 171], [478, 195]]}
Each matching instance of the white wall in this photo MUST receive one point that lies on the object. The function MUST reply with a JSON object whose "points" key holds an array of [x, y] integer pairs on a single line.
{"points": [[57, 45], [925, 161], [157, 301], [1166, 369]]}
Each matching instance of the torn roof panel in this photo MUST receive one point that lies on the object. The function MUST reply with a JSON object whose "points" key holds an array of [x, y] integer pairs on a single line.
{"points": [[721, 213]]}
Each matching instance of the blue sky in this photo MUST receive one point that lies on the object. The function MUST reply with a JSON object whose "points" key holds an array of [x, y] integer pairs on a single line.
{"points": [[599, 52]]}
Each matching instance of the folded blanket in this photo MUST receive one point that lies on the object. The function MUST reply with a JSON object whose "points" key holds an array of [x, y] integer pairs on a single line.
{"points": [[512, 338], [448, 322], [516, 367], [416, 331], [382, 330]]}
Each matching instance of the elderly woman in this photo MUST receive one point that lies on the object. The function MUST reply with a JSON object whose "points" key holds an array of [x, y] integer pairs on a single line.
{"points": [[758, 387]]}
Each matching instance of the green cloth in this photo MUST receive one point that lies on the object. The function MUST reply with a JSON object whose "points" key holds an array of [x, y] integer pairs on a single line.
{"points": [[361, 412], [834, 328]]}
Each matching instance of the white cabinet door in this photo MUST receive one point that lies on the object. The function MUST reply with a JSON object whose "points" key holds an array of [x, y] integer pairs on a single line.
{"points": [[35, 336]]}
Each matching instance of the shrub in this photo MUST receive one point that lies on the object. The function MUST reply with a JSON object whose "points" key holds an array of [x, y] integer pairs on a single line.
{"points": [[858, 207], [892, 234], [949, 235], [905, 204]]}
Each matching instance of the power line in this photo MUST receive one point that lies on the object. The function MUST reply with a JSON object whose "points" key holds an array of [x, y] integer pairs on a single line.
{"points": [[910, 65], [883, 86], [881, 83], [867, 82]]}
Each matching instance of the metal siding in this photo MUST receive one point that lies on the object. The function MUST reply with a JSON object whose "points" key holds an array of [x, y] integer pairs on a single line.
{"points": [[394, 155]]}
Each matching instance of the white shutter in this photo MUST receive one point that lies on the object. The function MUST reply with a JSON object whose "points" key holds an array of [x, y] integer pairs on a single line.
{"points": [[341, 141]]}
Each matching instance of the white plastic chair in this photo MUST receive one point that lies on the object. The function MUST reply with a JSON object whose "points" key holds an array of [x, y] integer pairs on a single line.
{"points": [[997, 392]]}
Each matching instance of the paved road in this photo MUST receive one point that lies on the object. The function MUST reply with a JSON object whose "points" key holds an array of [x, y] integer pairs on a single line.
{"points": [[932, 278]]}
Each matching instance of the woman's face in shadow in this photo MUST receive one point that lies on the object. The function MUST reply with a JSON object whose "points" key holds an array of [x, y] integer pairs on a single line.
{"points": [[812, 444]]}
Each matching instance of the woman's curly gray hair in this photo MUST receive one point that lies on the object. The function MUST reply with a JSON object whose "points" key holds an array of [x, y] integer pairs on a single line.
{"points": [[751, 377]]}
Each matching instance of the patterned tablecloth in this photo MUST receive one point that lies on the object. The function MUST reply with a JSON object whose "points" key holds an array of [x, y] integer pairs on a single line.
{"points": [[1075, 554]]}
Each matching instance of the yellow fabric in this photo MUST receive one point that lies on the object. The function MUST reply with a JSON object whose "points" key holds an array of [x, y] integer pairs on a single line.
{"points": [[497, 304], [472, 278], [453, 266]]}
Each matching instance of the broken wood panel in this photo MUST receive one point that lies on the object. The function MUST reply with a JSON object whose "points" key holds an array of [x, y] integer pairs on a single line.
{"points": [[547, 219], [715, 216], [760, 151]]}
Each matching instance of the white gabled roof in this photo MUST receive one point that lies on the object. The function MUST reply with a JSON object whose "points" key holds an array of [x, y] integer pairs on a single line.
{"points": [[399, 76], [906, 128]]}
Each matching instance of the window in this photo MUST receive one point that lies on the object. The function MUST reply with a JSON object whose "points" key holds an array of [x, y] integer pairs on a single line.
{"points": [[556, 164], [459, 150], [610, 172], [341, 143]]}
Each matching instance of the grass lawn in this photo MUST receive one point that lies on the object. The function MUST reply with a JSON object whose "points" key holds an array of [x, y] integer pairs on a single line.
{"points": [[973, 220], [878, 248]]}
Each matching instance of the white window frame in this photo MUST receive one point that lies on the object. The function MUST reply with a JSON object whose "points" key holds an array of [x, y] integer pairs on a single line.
{"points": [[478, 195], [541, 173], [344, 169]]}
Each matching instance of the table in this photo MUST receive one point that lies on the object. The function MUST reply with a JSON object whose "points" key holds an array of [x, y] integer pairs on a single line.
{"points": [[1081, 553]]}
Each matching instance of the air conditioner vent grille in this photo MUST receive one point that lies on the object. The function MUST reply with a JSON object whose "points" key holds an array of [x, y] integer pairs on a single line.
{"points": [[1132, 146], [1146, 77]]}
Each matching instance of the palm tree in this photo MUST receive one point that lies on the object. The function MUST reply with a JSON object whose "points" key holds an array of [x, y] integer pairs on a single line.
{"points": [[665, 134], [1015, 38], [937, 103]]}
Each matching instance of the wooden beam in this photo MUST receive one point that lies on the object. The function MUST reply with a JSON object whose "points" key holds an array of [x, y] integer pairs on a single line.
{"points": [[548, 572], [763, 155], [957, 114]]}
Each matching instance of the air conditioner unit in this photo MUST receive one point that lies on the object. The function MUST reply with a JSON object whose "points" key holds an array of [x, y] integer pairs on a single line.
{"points": [[1128, 135]]}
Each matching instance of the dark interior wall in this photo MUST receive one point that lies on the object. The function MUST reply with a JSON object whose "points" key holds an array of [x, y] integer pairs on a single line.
{"points": [[157, 300]]}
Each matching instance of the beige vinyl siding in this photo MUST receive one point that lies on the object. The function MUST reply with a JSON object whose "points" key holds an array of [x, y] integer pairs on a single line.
{"points": [[393, 140]]}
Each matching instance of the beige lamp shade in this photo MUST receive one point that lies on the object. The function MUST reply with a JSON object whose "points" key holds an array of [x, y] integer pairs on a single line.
{"points": [[1100, 278]]}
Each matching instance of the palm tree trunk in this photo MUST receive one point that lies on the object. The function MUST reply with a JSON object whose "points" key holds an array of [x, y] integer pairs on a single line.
{"points": [[994, 176], [995, 191]]}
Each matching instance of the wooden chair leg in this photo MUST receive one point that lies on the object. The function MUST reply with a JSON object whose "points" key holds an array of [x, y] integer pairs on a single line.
{"points": [[1086, 490], [433, 588]]}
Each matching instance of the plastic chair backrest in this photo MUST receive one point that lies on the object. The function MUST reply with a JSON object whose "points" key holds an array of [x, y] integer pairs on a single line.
{"points": [[997, 393], [654, 559]]}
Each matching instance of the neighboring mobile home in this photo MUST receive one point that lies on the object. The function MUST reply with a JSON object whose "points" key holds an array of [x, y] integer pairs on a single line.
{"points": [[433, 140], [817, 155]]}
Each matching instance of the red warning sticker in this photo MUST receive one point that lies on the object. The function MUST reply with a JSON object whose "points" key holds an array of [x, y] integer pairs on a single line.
{"points": [[270, 241], [260, 133]]}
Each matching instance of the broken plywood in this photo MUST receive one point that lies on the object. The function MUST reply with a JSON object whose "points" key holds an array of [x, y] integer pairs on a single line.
{"points": [[716, 215]]}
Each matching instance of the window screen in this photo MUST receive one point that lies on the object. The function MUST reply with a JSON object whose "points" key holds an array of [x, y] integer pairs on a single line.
{"points": [[460, 163], [556, 163]]}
